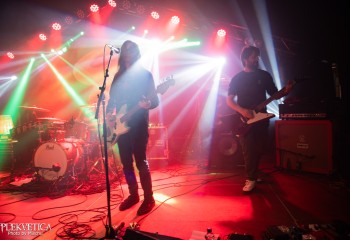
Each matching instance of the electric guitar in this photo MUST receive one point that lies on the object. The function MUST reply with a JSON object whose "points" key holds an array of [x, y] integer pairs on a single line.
{"points": [[117, 125], [240, 125]]}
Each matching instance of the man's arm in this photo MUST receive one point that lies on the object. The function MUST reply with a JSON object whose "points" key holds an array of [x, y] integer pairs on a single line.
{"points": [[247, 113]]}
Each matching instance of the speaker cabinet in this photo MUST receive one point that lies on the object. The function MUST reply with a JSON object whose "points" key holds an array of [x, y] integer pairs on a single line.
{"points": [[225, 151], [157, 147], [304, 145], [7, 159]]}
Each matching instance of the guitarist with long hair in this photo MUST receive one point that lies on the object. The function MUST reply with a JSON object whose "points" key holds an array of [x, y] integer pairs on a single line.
{"points": [[247, 90], [133, 88]]}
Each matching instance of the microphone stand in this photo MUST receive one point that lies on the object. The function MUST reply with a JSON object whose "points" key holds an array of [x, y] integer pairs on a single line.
{"points": [[110, 233]]}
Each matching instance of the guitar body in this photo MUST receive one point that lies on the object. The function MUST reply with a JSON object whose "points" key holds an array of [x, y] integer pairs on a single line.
{"points": [[259, 117], [117, 126], [240, 125]]}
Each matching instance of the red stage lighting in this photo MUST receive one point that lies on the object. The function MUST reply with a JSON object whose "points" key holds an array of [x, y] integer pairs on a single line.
{"points": [[221, 33], [94, 8], [112, 3], [126, 4], [140, 9], [68, 20], [10, 55], [155, 15], [56, 26], [175, 19], [80, 14], [42, 37]]}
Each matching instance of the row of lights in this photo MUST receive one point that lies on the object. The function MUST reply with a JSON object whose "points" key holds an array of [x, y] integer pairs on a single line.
{"points": [[125, 4]]}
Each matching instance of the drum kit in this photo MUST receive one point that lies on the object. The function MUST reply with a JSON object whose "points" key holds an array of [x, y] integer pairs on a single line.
{"points": [[64, 148]]}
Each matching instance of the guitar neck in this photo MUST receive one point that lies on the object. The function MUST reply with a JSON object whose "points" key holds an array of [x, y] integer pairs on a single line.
{"points": [[275, 96]]}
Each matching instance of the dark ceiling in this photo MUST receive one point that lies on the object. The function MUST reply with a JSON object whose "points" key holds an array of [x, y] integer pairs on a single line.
{"points": [[306, 27]]}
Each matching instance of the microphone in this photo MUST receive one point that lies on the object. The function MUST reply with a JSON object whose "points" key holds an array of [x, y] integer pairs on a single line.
{"points": [[114, 49]]}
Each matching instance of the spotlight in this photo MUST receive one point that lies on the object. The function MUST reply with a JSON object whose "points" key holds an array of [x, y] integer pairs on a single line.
{"points": [[42, 37], [155, 15], [112, 3], [56, 26], [10, 55], [221, 33], [80, 14], [94, 8], [140, 9], [126, 4], [68, 20], [175, 20]]}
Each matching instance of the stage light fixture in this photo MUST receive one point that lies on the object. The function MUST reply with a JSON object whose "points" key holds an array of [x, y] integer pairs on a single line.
{"points": [[175, 19], [94, 8], [112, 3], [221, 33], [10, 55], [155, 15], [126, 4], [68, 20], [140, 9], [56, 26], [42, 37], [80, 14]]}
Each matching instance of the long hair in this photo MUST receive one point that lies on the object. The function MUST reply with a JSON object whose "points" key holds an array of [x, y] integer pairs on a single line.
{"points": [[128, 47]]}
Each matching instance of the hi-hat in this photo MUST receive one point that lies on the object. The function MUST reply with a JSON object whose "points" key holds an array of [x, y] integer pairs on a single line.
{"points": [[50, 119], [89, 106], [35, 108]]}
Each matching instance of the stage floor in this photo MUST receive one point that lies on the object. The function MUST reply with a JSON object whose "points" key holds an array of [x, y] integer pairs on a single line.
{"points": [[190, 197]]}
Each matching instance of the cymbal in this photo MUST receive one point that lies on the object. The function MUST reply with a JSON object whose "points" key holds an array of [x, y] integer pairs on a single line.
{"points": [[89, 106], [35, 108], [50, 119]]}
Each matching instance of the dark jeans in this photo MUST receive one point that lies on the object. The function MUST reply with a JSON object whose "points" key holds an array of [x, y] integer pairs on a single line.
{"points": [[253, 145], [132, 145]]}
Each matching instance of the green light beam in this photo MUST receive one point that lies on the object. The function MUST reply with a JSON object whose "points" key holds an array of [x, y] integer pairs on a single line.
{"points": [[18, 94]]}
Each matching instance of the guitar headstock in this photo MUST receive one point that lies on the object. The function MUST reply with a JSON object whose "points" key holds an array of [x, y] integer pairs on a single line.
{"points": [[166, 83]]}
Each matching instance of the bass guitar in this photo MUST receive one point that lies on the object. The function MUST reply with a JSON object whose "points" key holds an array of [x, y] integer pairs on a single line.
{"points": [[240, 125], [117, 125]]}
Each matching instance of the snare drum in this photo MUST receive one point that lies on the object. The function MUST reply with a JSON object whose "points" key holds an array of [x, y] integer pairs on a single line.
{"points": [[56, 159]]}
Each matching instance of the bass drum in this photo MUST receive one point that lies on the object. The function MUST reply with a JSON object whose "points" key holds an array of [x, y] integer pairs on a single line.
{"points": [[54, 159]]}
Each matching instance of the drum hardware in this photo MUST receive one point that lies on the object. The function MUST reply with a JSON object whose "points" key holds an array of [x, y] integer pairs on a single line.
{"points": [[53, 160], [55, 167], [75, 129], [34, 108]]}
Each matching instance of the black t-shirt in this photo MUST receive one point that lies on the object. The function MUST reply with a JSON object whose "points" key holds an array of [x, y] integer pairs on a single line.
{"points": [[251, 88]]}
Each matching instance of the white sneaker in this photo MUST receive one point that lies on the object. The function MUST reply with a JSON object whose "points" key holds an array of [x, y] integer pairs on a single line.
{"points": [[249, 186]]}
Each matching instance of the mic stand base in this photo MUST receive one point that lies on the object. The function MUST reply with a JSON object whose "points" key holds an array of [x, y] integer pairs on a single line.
{"points": [[110, 233]]}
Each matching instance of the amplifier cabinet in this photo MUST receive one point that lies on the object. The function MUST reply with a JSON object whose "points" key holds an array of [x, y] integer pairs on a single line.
{"points": [[157, 147], [7, 159], [304, 145]]}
